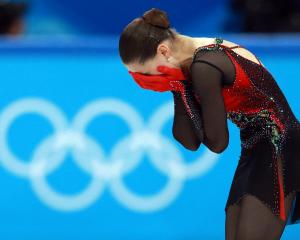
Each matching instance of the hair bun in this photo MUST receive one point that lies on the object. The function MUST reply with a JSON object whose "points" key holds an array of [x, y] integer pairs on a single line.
{"points": [[156, 18]]}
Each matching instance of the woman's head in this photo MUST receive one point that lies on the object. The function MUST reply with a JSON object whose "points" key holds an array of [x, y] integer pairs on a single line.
{"points": [[147, 42]]}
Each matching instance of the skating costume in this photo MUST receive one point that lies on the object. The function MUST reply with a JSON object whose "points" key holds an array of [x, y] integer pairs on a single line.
{"points": [[225, 85]]}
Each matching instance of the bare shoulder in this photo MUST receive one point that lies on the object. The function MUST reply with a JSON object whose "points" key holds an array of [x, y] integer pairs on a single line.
{"points": [[201, 41], [243, 51]]}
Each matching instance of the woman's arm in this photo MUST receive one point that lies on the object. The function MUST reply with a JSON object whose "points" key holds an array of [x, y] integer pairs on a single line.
{"points": [[208, 71], [183, 129], [207, 85]]}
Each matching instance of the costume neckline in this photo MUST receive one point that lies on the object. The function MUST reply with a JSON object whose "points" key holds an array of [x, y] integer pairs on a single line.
{"points": [[216, 44]]}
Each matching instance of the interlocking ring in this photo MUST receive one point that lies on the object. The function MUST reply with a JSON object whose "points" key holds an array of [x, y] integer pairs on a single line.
{"points": [[105, 170]]}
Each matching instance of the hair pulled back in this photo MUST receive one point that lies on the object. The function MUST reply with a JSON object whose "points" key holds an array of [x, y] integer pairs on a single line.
{"points": [[140, 38]]}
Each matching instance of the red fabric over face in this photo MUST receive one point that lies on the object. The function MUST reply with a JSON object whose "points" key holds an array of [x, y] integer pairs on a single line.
{"points": [[170, 79]]}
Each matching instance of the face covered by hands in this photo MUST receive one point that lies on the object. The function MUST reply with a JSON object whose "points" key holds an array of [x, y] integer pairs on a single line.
{"points": [[170, 79]]}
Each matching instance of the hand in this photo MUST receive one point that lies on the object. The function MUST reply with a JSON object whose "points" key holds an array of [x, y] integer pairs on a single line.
{"points": [[167, 81]]}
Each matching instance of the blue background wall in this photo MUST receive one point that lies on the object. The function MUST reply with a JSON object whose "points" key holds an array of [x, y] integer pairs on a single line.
{"points": [[110, 17]]}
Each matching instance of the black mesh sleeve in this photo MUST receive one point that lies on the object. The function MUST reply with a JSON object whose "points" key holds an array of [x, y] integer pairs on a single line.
{"points": [[183, 128], [219, 60], [210, 70], [207, 85]]}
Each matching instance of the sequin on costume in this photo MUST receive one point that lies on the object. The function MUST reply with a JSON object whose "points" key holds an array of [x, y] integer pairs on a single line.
{"points": [[255, 103], [192, 106]]}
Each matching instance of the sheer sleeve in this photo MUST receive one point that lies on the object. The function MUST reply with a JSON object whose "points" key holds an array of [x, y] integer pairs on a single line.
{"points": [[183, 129], [219, 60], [207, 84], [209, 72]]}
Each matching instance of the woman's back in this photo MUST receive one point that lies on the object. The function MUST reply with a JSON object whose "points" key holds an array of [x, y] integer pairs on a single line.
{"points": [[240, 50]]}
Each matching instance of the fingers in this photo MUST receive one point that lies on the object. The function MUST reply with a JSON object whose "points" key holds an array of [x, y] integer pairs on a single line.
{"points": [[148, 84], [167, 70], [160, 82], [171, 73], [163, 69]]}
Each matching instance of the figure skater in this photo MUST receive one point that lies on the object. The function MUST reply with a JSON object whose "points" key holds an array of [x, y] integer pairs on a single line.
{"points": [[213, 79]]}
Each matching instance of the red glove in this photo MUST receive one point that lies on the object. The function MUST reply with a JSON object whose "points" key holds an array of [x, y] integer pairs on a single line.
{"points": [[170, 79]]}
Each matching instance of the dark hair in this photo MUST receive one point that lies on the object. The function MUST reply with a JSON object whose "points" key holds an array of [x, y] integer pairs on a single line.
{"points": [[140, 38], [9, 13]]}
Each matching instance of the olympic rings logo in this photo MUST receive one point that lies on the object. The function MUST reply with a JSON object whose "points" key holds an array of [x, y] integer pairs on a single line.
{"points": [[104, 170]]}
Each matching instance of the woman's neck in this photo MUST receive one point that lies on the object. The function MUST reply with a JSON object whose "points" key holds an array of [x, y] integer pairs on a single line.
{"points": [[185, 46]]}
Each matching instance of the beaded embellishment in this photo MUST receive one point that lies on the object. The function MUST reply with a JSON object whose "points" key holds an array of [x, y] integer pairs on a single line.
{"points": [[262, 118], [258, 113], [192, 107], [210, 47], [242, 120]]}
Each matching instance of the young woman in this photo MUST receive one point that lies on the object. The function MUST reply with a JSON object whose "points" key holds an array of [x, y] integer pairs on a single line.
{"points": [[211, 80]]}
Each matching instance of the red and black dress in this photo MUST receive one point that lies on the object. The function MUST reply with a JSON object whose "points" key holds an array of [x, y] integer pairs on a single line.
{"points": [[225, 85]]}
